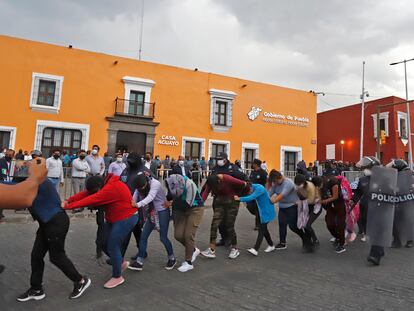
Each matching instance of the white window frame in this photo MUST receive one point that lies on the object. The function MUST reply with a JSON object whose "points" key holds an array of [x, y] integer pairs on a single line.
{"points": [[221, 95], [402, 115], [245, 146], [42, 124], [13, 131], [383, 116], [34, 93], [194, 139], [138, 85], [216, 141], [296, 149]]}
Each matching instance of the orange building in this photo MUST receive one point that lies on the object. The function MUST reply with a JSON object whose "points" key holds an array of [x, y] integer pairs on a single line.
{"points": [[61, 97]]}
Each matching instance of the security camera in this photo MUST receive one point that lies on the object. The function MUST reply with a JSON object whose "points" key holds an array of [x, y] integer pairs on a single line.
{"points": [[367, 94]]}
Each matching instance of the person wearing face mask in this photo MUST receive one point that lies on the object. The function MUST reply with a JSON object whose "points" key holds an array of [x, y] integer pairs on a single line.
{"points": [[96, 162], [150, 164], [80, 170], [257, 176], [283, 191], [114, 197], [116, 168], [55, 169], [361, 193], [181, 168], [150, 197], [6, 169]]}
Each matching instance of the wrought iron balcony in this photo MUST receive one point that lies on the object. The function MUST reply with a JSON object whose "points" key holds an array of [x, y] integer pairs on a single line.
{"points": [[132, 108]]}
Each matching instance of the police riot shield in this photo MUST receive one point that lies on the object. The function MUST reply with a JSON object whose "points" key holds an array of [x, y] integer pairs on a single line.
{"points": [[382, 187], [404, 207]]}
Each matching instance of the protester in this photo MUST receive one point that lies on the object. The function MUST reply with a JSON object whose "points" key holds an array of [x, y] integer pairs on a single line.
{"points": [[225, 208], [50, 237], [266, 213], [150, 197], [80, 170], [282, 191], [187, 211], [114, 197], [257, 176], [116, 168], [333, 202]]}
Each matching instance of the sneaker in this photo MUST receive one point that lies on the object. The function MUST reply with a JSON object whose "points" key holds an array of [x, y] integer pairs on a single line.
{"points": [[396, 244], [185, 266], [171, 264], [270, 249], [340, 249], [280, 246], [209, 253], [252, 251], [256, 228], [136, 266], [32, 294], [234, 253], [409, 244], [80, 288], [125, 265], [351, 237], [374, 260], [363, 238], [332, 240], [316, 243], [114, 282], [195, 254]]}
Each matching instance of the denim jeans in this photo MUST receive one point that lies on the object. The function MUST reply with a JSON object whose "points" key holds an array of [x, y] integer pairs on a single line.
{"points": [[55, 182], [115, 234], [288, 216], [164, 217]]}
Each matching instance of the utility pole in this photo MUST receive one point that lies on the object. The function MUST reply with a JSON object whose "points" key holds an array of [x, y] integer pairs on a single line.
{"points": [[361, 148], [141, 30], [410, 150]]}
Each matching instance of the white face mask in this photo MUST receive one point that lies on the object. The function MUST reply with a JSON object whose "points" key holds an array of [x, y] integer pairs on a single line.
{"points": [[94, 151], [119, 160], [181, 163], [221, 162], [367, 172]]}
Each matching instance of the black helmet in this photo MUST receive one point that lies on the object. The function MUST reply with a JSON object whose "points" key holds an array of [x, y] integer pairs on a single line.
{"points": [[398, 164], [368, 162]]}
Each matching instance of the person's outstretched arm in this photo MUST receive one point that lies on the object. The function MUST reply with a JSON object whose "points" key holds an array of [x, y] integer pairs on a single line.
{"points": [[21, 195]]}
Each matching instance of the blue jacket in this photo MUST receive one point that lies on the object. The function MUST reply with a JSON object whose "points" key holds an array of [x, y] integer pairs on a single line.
{"points": [[47, 203], [265, 206]]}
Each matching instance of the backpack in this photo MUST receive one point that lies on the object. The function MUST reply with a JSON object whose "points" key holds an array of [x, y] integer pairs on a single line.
{"points": [[198, 200]]}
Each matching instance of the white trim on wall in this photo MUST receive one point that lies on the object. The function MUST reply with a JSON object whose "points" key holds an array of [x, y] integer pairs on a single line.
{"points": [[249, 146], [194, 139], [383, 116], [217, 141], [36, 77], [223, 95], [296, 149], [13, 132], [139, 85], [42, 124], [402, 115]]}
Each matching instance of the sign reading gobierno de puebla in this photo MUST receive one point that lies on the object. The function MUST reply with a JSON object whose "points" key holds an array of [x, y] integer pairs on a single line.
{"points": [[271, 117]]}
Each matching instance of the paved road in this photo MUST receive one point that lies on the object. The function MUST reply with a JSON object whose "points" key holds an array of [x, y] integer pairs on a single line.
{"points": [[286, 280]]}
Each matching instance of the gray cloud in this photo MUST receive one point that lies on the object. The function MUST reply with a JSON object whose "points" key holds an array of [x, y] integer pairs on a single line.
{"points": [[303, 44]]}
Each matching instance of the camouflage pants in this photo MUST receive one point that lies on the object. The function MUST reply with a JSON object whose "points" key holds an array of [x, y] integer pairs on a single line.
{"points": [[226, 211]]}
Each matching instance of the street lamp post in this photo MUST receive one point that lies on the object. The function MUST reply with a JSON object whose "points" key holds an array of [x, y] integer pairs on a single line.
{"points": [[363, 94], [410, 151], [342, 150]]}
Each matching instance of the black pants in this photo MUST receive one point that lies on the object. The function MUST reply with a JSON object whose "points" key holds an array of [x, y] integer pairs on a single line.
{"points": [[308, 229], [362, 221], [377, 251], [252, 208], [1, 214], [289, 216], [50, 237], [263, 232], [335, 220], [100, 233]]}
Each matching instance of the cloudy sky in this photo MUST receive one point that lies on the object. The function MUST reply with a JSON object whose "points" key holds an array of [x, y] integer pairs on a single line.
{"points": [[306, 44]]}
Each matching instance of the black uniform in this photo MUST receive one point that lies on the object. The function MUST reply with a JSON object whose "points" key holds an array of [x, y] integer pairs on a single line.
{"points": [[361, 195]]}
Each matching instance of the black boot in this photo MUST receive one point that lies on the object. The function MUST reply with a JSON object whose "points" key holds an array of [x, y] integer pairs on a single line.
{"points": [[2, 268], [409, 244]]}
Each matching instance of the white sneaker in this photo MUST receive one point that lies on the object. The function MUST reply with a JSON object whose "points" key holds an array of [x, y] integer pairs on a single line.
{"points": [[209, 253], [234, 253], [269, 249], [332, 240], [185, 267], [195, 255], [252, 251], [364, 238]]}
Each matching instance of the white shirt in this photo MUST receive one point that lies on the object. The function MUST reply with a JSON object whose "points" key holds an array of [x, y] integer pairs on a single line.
{"points": [[116, 168], [80, 168], [148, 164], [54, 168], [27, 157]]}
